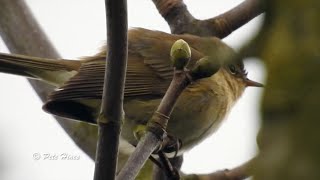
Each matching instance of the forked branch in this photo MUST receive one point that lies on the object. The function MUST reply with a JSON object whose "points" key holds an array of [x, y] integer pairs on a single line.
{"points": [[180, 20]]}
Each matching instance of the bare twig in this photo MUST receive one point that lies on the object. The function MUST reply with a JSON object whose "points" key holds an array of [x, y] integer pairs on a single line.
{"points": [[180, 20], [111, 114], [152, 139], [135, 162], [23, 35]]}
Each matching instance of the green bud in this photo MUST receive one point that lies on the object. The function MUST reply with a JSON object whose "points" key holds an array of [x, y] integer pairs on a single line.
{"points": [[205, 67], [180, 54]]}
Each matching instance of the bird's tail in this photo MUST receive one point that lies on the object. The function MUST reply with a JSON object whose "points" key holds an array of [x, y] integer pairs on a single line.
{"points": [[52, 71]]}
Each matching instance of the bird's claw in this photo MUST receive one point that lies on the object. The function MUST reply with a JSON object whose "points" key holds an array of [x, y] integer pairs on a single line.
{"points": [[171, 144], [171, 172]]}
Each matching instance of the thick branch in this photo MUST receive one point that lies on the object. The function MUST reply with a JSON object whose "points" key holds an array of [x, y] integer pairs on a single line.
{"points": [[181, 21], [111, 114], [233, 19], [289, 136], [176, 14], [23, 35]]}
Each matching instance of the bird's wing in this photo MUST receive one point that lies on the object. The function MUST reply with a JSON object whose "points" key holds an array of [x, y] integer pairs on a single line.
{"points": [[154, 48], [149, 71]]}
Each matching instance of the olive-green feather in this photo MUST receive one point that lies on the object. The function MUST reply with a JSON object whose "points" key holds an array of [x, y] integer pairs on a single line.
{"points": [[50, 70]]}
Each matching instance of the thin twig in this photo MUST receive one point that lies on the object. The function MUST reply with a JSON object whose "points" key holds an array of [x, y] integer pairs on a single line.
{"points": [[241, 172], [180, 20], [135, 162], [151, 140], [111, 115]]}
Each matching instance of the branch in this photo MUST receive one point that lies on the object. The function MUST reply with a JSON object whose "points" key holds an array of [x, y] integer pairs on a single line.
{"points": [[156, 127], [180, 20], [241, 172], [23, 35], [111, 114], [288, 137], [158, 173]]}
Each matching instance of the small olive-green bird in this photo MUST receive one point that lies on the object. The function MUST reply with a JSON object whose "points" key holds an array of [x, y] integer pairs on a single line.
{"points": [[198, 112]]}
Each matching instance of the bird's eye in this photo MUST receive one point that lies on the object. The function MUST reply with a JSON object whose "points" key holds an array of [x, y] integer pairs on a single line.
{"points": [[232, 69]]}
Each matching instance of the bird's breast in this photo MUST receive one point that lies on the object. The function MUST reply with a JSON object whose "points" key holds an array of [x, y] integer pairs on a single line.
{"points": [[197, 114]]}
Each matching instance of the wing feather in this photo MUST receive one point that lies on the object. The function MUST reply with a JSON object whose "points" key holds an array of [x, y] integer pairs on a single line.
{"points": [[149, 71]]}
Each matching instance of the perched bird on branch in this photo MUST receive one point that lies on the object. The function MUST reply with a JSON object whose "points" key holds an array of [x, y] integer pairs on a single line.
{"points": [[199, 110]]}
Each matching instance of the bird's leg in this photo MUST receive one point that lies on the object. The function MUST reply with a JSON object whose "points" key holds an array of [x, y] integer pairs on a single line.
{"points": [[171, 172], [170, 144]]}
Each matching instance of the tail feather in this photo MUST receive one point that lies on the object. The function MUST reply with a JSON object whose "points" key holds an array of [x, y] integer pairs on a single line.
{"points": [[52, 71]]}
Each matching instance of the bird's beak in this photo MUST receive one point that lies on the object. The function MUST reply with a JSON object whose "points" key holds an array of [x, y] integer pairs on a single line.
{"points": [[249, 82]]}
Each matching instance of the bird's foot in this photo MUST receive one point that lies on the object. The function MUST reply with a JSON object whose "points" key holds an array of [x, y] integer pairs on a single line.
{"points": [[166, 166], [171, 144], [171, 172]]}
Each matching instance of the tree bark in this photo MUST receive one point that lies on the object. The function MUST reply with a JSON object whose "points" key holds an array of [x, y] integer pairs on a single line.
{"points": [[181, 21], [289, 138]]}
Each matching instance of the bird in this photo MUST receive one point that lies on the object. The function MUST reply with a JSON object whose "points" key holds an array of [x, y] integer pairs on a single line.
{"points": [[199, 110]]}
